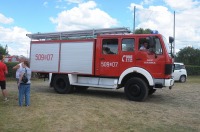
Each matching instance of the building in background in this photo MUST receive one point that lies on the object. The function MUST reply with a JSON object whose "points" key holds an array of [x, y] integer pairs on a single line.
{"points": [[13, 58]]}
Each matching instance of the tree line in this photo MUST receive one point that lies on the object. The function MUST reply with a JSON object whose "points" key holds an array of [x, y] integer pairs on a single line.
{"points": [[3, 50], [189, 56]]}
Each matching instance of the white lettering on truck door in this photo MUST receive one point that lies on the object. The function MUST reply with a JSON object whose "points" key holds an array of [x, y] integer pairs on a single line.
{"points": [[127, 58]]}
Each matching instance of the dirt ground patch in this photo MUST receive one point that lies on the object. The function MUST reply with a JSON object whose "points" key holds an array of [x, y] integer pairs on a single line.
{"points": [[103, 110]]}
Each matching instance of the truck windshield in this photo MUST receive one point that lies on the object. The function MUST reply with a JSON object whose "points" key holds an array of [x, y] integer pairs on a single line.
{"points": [[167, 45]]}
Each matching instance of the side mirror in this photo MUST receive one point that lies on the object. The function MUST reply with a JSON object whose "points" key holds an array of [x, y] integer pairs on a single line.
{"points": [[171, 40]]}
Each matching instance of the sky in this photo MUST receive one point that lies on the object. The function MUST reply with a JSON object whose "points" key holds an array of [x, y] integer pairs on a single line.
{"points": [[21, 17]]}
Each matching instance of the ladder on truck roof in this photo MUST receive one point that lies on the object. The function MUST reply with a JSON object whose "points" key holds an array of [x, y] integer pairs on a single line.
{"points": [[77, 34]]}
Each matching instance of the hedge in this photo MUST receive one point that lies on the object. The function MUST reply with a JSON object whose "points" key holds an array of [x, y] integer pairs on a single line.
{"points": [[11, 72], [192, 70]]}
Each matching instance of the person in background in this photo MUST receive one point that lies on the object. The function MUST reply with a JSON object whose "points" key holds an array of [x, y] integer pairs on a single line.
{"points": [[144, 46], [106, 50], [24, 88], [18, 67], [3, 71]]}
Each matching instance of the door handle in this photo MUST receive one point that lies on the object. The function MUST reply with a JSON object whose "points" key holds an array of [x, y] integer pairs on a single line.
{"points": [[102, 58], [138, 59]]}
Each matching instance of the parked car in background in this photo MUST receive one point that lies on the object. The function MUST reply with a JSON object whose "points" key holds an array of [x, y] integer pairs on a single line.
{"points": [[180, 73]]}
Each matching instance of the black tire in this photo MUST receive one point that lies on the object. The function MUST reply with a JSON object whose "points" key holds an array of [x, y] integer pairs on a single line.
{"points": [[136, 89], [182, 79], [81, 88], [61, 84]]}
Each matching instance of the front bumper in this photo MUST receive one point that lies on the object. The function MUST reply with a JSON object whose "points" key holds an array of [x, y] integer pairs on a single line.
{"points": [[169, 82], [160, 83]]}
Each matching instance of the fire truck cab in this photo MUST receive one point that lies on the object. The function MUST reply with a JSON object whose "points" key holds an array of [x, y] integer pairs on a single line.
{"points": [[103, 58]]}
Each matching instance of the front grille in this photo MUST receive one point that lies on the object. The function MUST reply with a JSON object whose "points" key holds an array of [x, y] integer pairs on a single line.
{"points": [[168, 69]]}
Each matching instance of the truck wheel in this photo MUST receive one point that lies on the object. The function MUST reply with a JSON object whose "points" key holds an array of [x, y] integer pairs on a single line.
{"points": [[136, 89], [61, 84], [182, 79], [151, 91], [81, 88]]}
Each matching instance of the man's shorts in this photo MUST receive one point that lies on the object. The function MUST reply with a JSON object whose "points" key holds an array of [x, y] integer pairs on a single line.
{"points": [[3, 84]]}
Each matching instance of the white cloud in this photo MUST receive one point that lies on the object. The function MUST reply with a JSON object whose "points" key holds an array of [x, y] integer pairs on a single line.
{"points": [[84, 16], [154, 17], [60, 7], [5, 20], [187, 23], [16, 40], [74, 1], [145, 2], [187, 29], [45, 4], [14, 37], [138, 6], [182, 4]]}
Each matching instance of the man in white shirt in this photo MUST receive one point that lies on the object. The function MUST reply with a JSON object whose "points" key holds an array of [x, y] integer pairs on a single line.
{"points": [[18, 67], [144, 46]]}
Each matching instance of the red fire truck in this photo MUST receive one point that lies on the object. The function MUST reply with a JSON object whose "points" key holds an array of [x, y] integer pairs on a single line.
{"points": [[108, 58]]}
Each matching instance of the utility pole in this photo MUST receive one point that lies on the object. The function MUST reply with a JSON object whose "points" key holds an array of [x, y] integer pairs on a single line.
{"points": [[174, 33], [134, 21], [27, 54], [6, 49]]}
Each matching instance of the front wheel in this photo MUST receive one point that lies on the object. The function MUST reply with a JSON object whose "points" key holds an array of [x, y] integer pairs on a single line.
{"points": [[136, 89]]}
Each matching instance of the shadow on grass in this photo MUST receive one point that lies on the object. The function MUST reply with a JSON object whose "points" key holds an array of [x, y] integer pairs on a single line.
{"points": [[105, 93], [102, 93]]}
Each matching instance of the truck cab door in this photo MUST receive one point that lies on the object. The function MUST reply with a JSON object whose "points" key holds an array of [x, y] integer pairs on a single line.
{"points": [[108, 57], [127, 53], [152, 57]]}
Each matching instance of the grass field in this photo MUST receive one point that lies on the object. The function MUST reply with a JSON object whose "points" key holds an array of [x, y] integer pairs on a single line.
{"points": [[95, 110]]}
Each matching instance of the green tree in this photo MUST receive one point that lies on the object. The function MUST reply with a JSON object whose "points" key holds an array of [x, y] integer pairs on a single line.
{"points": [[3, 50], [189, 55], [143, 31]]}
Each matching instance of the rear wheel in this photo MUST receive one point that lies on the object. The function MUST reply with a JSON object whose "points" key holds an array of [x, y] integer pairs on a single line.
{"points": [[61, 84], [136, 89], [182, 78]]}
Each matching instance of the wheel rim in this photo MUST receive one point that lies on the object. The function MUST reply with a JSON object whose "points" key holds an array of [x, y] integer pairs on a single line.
{"points": [[183, 79], [135, 90]]}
